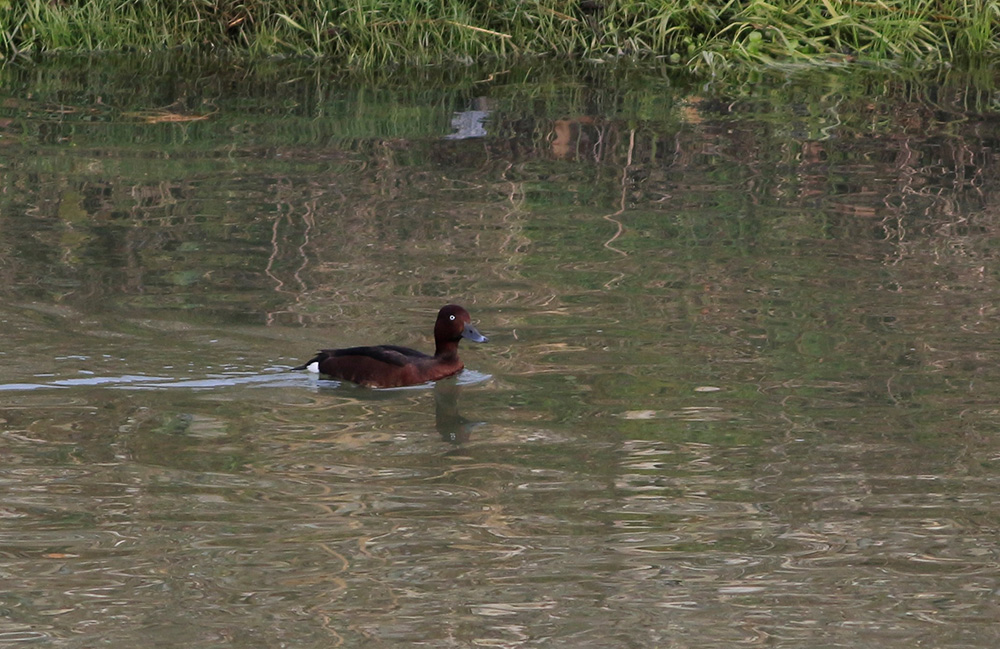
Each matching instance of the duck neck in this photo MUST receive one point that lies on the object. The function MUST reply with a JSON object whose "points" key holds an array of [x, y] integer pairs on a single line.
{"points": [[446, 350]]}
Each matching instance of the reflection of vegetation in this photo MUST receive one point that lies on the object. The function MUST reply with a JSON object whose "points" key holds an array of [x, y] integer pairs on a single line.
{"points": [[374, 33], [745, 211]]}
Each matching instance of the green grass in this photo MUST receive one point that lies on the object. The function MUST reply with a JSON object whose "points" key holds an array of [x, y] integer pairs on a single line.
{"points": [[373, 33]]}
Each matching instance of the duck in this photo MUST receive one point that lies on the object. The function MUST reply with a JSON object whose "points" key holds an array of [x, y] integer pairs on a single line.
{"points": [[392, 366]]}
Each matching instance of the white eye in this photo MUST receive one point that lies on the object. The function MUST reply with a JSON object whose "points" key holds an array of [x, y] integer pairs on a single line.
{"points": [[451, 317]]}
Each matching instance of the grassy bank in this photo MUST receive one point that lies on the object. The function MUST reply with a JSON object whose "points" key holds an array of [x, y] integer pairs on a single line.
{"points": [[371, 33]]}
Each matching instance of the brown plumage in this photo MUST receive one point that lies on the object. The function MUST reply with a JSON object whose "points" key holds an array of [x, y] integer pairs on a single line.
{"points": [[392, 366]]}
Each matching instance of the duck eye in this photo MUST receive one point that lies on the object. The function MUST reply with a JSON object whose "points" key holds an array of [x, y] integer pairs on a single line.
{"points": [[451, 317]]}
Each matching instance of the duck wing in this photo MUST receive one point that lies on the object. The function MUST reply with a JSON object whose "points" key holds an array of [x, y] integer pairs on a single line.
{"points": [[391, 354]]}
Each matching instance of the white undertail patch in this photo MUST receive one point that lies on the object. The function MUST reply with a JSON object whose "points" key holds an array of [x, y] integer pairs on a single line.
{"points": [[313, 367]]}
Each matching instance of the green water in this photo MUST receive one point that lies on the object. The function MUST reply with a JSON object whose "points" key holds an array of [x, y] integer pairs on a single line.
{"points": [[740, 388]]}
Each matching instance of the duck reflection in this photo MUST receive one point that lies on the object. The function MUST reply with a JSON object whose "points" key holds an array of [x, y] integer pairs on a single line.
{"points": [[452, 426]]}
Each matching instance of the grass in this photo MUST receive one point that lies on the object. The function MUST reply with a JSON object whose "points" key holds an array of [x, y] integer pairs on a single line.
{"points": [[373, 33]]}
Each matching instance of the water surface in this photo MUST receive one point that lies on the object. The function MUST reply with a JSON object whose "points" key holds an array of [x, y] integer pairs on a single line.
{"points": [[740, 386]]}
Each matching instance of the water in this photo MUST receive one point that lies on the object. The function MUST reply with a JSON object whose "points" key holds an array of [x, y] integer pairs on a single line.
{"points": [[740, 386]]}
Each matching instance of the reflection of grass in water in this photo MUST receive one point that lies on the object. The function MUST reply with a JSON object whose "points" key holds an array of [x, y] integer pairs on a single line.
{"points": [[375, 33], [750, 212]]}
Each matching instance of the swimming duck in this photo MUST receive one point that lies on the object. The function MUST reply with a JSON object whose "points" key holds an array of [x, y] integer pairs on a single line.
{"points": [[392, 366]]}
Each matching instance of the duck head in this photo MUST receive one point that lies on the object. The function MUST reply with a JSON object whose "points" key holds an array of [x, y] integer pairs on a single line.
{"points": [[453, 324]]}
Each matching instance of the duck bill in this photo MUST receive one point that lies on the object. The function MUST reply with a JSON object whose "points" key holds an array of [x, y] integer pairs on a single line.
{"points": [[470, 333]]}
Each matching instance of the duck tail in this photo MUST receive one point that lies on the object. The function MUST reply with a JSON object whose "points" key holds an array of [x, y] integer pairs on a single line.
{"points": [[313, 363]]}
